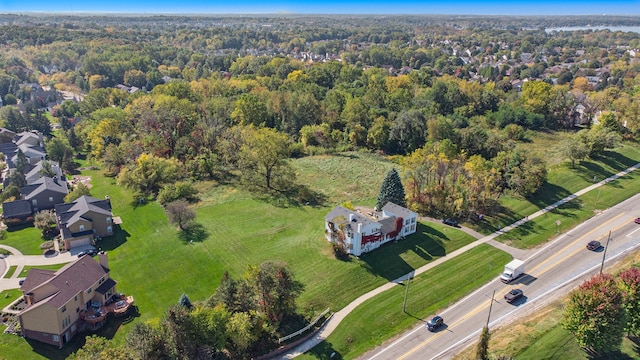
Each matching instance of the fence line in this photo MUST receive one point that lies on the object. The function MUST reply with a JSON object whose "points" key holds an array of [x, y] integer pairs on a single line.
{"points": [[304, 329]]}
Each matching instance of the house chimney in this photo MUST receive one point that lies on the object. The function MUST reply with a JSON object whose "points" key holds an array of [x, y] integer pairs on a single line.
{"points": [[102, 259], [28, 298]]}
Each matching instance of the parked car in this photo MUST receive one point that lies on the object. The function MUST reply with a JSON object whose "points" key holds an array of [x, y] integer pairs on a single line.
{"points": [[513, 295], [637, 220], [450, 222], [92, 252], [434, 323], [593, 245], [21, 282], [82, 253]]}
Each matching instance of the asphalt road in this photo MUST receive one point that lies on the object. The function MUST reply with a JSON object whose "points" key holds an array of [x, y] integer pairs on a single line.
{"points": [[551, 272]]}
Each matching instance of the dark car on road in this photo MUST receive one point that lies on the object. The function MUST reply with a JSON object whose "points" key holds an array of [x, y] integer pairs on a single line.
{"points": [[450, 222], [637, 220], [435, 323], [593, 245], [513, 295]]}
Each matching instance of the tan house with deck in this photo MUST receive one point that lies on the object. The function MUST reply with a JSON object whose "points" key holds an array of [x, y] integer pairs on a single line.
{"points": [[60, 303]]}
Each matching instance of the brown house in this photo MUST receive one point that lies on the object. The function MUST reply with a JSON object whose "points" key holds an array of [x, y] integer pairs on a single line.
{"points": [[45, 192], [60, 303], [81, 221]]}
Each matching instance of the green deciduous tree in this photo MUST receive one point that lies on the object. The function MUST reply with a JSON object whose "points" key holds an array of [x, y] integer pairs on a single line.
{"points": [[574, 149], [149, 173], [59, 150], [79, 191], [595, 314], [391, 190], [263, 158]]}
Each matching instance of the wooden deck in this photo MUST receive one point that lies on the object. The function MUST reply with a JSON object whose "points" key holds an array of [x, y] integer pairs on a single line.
{"points": [[119, 307]]}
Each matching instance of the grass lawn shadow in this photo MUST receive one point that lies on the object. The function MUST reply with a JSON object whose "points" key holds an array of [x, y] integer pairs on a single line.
{"points": [[118, 238], [108, 331], [325, 351], [193, 233], [427, 243]]}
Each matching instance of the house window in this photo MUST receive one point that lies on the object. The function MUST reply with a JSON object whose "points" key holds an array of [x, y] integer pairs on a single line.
{"points": [[89, 291], [77, 310], [81, 227], [34, 202], [108, 220], [56, 338], [75, 298], [73, 327], [413, 220], [406, 222], [50, 198], [109, 228], [64, 308]]}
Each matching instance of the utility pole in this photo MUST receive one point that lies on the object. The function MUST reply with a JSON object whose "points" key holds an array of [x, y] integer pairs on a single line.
{"points": [[604, 253], [406, 293], [490, 306]]}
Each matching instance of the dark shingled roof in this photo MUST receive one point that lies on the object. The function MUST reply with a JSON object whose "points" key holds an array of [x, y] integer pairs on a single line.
{"points": [[15, 209], [105, 286], [72, 279], [69, 213], [42, 184]]}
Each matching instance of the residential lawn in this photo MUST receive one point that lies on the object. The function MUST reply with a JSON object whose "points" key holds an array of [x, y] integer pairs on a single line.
{"points": [[26, 269], [7, 297], [381, 317], [562, 181], [153, 261], [10, 272], [544, 227], [26, 239]]}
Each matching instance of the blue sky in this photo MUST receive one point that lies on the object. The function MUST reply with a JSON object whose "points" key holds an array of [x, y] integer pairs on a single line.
{"points": [[489, 7]]}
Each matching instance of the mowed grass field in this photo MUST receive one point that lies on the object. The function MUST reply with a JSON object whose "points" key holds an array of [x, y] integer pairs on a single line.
{"points": [[153, 261]]}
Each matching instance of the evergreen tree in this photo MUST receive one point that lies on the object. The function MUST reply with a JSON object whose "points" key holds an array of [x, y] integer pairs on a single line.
{"points": [[482, 351], [184, 301], [391, 190]]}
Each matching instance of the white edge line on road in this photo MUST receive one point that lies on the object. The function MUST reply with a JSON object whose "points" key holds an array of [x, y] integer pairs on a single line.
{"points": [[482, 288], [475, 333], [631, 233]]}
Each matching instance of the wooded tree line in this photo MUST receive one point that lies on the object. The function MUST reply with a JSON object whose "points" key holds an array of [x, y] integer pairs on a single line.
{"points": [[241, 320]]}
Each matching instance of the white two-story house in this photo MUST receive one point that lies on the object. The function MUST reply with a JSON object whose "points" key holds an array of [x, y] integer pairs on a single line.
{"points": [[357, 233]]}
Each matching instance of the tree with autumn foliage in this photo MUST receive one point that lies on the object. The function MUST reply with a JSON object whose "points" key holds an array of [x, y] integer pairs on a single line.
{"points": [[595, 314], [629, 283]]}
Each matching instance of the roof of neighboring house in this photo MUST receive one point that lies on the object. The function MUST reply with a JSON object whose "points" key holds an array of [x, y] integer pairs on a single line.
{"points": [[18, 208], [398, 210], [344, 212], [28, 138], [69, 213], [45, 183], [72, 279], [35, 172], [29, 151]]}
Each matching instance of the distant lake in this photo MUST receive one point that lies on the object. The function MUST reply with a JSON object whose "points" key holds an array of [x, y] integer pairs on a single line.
{"points": [[596, 27]]}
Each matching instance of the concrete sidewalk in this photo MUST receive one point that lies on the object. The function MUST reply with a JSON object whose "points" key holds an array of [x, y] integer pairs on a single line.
{"points": [[337, 318]]}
